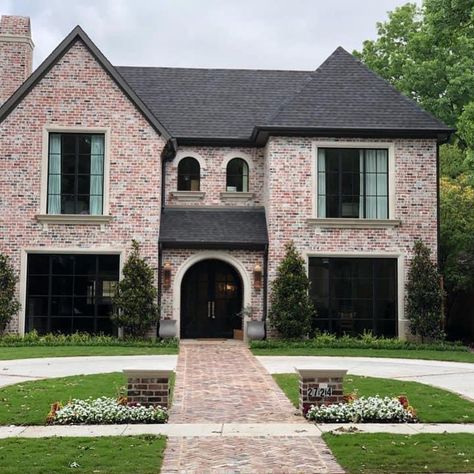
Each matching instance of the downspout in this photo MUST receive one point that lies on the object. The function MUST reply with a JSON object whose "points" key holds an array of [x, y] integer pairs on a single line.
{"points": [[265, 286], [438, 207], [168, 153]]}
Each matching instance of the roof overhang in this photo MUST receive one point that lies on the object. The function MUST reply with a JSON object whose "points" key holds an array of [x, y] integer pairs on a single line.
{"points": [[261, 134]]}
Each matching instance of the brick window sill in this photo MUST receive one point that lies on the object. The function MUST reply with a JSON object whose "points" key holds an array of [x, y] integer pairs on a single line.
{"points": [[77, 219], [342, 223], [236, 196], [188, 195]]}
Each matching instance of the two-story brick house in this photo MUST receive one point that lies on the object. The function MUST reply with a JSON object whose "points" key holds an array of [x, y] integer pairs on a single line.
{"points": [[212, 171]]}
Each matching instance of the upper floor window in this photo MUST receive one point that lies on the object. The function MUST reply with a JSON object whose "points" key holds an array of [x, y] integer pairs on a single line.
{"points": [[237, 175], [189, 174], [353, 183], [75, 173]]}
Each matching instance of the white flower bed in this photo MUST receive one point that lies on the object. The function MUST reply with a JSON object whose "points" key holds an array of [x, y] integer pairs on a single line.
{"points": [[363, 410], [106, 410]]}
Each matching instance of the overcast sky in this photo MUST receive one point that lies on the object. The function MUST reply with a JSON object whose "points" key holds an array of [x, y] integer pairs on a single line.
{"points": [[265, 34]]}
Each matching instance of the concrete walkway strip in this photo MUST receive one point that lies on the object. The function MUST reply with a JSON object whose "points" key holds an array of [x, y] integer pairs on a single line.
{"points": [[186, 430]]}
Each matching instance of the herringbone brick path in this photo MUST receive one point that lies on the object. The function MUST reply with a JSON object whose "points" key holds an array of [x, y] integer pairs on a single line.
{"points": [[222, 382], [249, 455]]}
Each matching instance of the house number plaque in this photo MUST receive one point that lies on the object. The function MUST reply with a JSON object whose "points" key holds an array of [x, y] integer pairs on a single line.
{"points": [[319, 392]]}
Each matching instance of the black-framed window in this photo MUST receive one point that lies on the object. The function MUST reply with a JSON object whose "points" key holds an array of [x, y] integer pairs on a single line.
{"points": [[354, 294], [69, 293], [353, 183], [237, 175], [75, 173], [189, 174]]}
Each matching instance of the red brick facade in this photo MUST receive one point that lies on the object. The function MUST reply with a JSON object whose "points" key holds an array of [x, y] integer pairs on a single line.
{"points": [[78, 94]]}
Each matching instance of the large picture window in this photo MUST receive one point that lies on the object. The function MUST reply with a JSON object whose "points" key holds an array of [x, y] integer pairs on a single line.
{"points": [[69, 293], [354, 294], [75, 173], [353, 183]]}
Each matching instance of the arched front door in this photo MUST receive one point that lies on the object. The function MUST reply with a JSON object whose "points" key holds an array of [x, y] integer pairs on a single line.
{"points": [[211, 298]]}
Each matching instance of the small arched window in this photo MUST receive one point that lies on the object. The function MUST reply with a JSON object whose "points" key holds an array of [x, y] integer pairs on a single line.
{"points": [[189, 174], [237, 175]]}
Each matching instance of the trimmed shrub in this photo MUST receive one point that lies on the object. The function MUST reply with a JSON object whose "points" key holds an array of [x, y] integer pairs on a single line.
{"points": [[135, 308], [424, 295], [291, 308], [9, 305]]}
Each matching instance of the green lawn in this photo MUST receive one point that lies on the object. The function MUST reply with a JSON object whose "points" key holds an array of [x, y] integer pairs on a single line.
{"points": [[28, 403], [26, 352], [111, 455], [390, 454], [432, 405], [453, 356]]}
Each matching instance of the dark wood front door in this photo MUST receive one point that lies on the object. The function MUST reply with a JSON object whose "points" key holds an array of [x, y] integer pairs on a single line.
{"points": [[211, 298]]}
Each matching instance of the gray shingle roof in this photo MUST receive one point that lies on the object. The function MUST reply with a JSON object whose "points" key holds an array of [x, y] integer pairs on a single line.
{"points": [[342, 94], [214, 103], [213, 228]]}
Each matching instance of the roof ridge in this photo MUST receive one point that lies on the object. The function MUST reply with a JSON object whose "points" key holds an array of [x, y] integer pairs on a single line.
{"points": [[215, 69]]}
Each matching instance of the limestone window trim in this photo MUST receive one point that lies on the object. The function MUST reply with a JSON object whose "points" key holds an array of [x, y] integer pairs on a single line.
{"points": [[236, 196], [79, 219], [388, 145], [188, 195], [352, 223], [47, 130]]}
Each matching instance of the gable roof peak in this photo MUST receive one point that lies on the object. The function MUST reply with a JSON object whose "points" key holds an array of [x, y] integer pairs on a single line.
{"points": [[77, 33]]}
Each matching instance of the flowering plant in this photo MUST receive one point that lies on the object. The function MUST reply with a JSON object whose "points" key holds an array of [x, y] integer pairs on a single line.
{"points": [[104, 410], [365, 410]]}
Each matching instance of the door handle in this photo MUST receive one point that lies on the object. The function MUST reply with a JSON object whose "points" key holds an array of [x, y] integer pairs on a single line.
{"points": [[213, 310], [209, 309]]}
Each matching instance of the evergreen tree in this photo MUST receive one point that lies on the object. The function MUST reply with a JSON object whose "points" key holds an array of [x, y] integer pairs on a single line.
{"points": [[9, 305], [424, 295], [291, 308], [135, 308]]}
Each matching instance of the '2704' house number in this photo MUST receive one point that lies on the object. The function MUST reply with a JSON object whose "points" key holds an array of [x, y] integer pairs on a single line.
{"points": [[319, 392]]}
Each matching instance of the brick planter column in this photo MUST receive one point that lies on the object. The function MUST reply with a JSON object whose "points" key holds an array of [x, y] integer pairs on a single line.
{"points": [[320, 387], [148, 387]]}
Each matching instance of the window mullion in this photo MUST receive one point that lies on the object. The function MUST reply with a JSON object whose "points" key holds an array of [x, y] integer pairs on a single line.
{"points": [[76, 173], [339, 191], [364, 181]]}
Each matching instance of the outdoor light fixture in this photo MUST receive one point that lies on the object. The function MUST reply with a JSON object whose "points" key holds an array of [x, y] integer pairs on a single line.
{"points": [[167, 275], [257, 276]]}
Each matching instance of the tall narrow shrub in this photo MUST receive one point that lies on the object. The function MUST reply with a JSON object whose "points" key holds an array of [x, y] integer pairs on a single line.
{"points": [[9, 305], [291, 308], [134, 302], [424, 295]]}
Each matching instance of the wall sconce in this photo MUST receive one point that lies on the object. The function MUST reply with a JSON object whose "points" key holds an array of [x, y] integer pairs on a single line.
{"points": [[167, 275], [257, 277]]}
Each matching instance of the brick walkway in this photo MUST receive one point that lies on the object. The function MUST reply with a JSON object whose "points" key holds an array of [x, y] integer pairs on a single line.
{"points": [[222, 382]]}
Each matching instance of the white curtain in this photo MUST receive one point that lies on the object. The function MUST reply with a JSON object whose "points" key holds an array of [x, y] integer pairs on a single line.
{"points": [[245, 177], [361, 184], [54, 174], [97, 174], [382, 188], [321, 191], [371, 184]]}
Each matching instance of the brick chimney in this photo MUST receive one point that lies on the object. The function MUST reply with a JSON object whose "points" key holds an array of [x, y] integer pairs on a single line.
{"points": [[16, 54]]}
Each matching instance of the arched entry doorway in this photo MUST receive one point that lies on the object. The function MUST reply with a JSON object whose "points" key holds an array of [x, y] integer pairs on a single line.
{"points": [[211, 298]]}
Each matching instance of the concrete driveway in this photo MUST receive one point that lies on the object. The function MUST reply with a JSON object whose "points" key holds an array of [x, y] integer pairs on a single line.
{"points": [[454, 376]]}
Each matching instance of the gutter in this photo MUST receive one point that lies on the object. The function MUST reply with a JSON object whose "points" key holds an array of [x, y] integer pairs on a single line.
{"points": [[265, 288], [168, 153]]}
